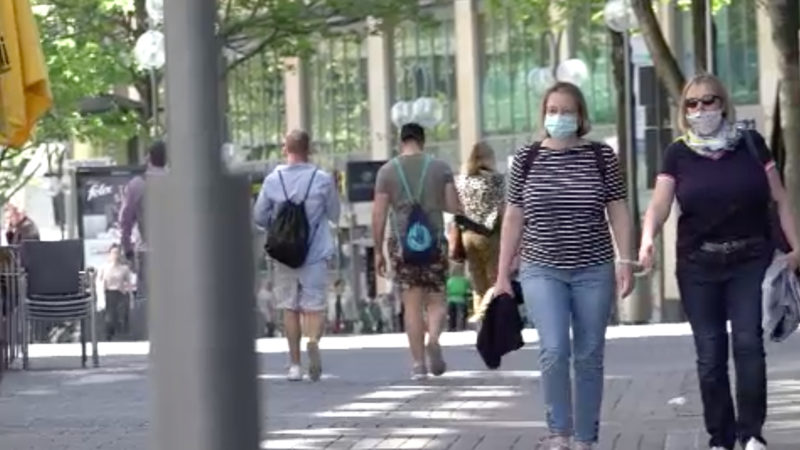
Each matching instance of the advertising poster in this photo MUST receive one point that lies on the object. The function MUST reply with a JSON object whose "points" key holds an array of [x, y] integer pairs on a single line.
{"points": [[100, 192], [360, 180]]}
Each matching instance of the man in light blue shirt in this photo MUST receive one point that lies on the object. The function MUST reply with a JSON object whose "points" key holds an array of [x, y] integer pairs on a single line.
{"points": [[302, 291]]}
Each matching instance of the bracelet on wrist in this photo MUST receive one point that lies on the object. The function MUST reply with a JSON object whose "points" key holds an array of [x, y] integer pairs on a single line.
{"points": [[628, 262]]}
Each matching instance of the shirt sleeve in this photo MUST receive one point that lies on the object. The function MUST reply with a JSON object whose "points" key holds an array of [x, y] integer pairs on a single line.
{"points": [[262, 210], [514, 195], [129, 214], [615, 188], [382, 180], [669, 165], [447, 174], [332, 204]]}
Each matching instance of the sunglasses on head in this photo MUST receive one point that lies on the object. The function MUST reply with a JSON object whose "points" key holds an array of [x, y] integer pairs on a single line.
{"points": [[706, 100]]}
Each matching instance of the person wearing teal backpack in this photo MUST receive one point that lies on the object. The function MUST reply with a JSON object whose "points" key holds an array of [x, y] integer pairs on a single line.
{"points": [[412, 191]]}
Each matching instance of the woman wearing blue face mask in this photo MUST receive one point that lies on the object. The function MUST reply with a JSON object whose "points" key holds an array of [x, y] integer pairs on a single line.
{"points": [[560, 190], [724, 179]]}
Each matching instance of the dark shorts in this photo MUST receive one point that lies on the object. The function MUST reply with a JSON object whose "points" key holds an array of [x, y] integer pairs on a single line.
{"points": [[430, 277]]}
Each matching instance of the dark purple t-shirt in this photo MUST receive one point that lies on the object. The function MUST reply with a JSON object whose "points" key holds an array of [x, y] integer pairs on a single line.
{"points": [[723, 199]]}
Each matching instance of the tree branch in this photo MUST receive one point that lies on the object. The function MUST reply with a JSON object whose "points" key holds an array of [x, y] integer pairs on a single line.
{"points": [[254, 51], [699, 34], [666, 65]]}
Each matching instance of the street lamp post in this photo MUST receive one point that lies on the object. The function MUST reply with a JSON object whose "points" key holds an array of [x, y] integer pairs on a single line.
{"points": [[201, 273], [149, 54], [620, 17], [709, 19]]}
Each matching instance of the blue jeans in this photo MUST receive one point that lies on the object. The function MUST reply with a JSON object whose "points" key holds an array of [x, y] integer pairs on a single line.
{"points": [[555, 298], [711, 296]]}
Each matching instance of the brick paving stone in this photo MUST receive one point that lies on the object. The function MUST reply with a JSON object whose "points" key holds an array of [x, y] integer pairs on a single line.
{"points": [[441, 442], [469, 441], [652, 440], [366, 401]]}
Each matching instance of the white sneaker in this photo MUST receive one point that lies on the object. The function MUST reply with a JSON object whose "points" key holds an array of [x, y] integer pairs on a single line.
{"points": [[419, 372], [755, 444], [583, 446], [295, 373], [554, 443], [717, 448]]}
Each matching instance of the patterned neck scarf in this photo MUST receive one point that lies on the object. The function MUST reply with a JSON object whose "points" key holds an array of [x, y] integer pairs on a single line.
{"points": [[716, 145]]}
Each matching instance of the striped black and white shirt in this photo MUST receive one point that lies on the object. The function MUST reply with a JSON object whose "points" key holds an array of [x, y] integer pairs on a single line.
{"points": [[564, 203]]}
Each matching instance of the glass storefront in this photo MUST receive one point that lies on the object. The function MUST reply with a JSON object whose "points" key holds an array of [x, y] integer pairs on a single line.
{"points": [[338, 95], [425, 66], [256, 106], [736, 50]]}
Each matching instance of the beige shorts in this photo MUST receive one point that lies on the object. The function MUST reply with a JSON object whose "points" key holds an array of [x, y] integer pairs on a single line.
{"points": [[303, 289]]}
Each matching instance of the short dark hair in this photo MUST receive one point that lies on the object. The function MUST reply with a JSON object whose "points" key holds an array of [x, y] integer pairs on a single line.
{"points": [[412, 132], [157, 154]]}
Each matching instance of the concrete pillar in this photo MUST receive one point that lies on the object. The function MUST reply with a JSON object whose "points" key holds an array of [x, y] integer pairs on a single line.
{"points": [[380, 61], [467, 82], [296, 89], [203, 377]]}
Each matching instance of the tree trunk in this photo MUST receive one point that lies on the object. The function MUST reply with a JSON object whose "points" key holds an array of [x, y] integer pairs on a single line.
{"points": [[776, 144], [618, 69], [699, 36], [664, 61], [785, 17]]}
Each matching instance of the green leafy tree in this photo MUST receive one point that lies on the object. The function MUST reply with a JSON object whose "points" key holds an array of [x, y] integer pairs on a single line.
{"points": [[88, 48], [246, 29]]}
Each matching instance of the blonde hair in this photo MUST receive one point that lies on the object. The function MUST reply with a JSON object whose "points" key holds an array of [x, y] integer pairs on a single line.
{"points": [[480, 158], [728, 110], [584, 126]]}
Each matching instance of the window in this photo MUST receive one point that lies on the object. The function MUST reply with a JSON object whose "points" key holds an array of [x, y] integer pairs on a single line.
{"points": [[338, 91], [256, 106], [424, 66], [518, 67], [736, 50], [591, 43], [514, 56]]}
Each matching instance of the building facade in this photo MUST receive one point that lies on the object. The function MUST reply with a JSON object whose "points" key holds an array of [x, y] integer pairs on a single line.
{"points": [[485, 68]]}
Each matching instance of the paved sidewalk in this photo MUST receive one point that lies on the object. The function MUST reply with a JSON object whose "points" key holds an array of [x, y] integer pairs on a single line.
{"points": [[366, 400]]}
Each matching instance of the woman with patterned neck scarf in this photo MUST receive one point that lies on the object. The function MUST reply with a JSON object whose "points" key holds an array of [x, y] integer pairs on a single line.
{"points": [[724, 179]]}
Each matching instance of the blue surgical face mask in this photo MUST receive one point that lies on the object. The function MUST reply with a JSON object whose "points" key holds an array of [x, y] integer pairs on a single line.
{"points": [[561, 126]]}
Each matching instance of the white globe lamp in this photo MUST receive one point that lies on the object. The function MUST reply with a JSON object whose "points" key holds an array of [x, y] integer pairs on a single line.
{"points": [[573, 71], [619, 15], [402, 113], [540, 79], [149, 50], [427, 111], [155, 10]]}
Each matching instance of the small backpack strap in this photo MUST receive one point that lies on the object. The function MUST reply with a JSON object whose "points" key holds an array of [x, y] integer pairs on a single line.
{"points": [[751, 145], [530, 156], [402, 176], [421, 187], [600, 160], [283, 186], [310, 183]]}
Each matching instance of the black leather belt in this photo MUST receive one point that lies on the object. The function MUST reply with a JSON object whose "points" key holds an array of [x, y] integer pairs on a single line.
{"points": [[729, 246]]}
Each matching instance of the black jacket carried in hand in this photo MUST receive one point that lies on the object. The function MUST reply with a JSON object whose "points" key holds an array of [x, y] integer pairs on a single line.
{"points": [[501, 330]]}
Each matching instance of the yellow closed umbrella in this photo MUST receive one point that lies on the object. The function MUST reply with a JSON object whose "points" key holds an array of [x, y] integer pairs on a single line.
{"points": [[24, 87]]}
